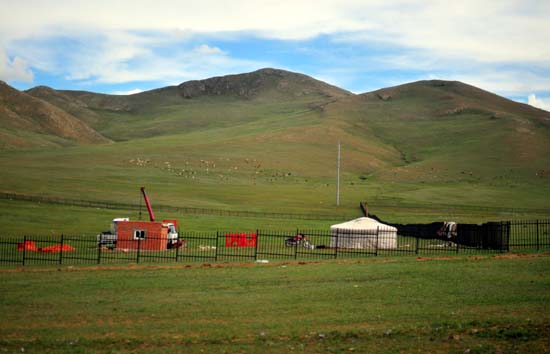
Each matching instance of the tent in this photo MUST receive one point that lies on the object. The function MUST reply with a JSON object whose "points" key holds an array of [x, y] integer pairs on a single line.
{"points": [[363, 233]]}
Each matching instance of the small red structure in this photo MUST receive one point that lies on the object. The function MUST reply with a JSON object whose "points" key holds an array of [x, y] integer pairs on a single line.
{"points": [[145, 235], [240, 240]]}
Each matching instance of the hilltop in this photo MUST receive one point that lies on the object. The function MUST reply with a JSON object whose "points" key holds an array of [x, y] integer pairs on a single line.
{"points": [[454, 97], [217, 101], [282, 83], [267, 84]]}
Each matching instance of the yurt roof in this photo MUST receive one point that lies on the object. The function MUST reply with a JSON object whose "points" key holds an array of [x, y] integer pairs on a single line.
{"points": [[363, 223]]}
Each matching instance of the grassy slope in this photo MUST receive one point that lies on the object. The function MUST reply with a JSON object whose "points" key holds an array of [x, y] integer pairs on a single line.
{"points": [[478, 305], [261, 151], [26, 121], [428, 146], [457, 144]]}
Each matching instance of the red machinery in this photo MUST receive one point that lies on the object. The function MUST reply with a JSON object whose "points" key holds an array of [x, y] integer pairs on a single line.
{"points": [[149, 209], [147, 235]]}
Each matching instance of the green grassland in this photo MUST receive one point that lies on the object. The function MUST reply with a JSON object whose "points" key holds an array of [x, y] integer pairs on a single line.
{"points": [[427, 151], [22, 218], [474, 305], [34, 219]]}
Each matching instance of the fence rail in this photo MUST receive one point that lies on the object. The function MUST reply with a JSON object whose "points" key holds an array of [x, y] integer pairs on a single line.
{"points": [[393, 203], [508, 236], [165, 208]]}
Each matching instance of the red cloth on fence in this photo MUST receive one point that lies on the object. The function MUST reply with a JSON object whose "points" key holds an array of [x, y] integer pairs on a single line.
{"points": [[240, 240], [27, 246], [56, 248]]}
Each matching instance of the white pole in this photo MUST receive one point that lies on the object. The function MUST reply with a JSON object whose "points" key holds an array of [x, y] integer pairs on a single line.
{"points": [[338, 178]]}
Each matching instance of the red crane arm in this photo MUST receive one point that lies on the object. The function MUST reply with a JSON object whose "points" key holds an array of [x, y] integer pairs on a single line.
{"points": [[149, 209]]}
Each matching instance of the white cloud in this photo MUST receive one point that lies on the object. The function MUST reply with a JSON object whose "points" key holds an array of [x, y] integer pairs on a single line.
{"points": [[504, 30], [122, 59], [500, 31], [470, 40], [503, 82], [129, 92], [538, 102], [14, 70], [280, 19], [117, 56]]}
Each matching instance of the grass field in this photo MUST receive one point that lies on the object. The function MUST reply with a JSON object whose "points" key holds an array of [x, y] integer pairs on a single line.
{"points": [[21, 218], [276, 151], [475, 305], [27, 218]]}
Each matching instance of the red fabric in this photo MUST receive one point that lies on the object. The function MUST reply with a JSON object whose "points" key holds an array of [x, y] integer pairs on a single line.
{"points": [[56, 248], [240, 240], [27, 246]]}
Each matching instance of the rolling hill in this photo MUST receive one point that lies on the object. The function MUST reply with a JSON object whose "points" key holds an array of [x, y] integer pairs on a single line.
{"points": [[26, 121], [217, 101], [267, 140]]}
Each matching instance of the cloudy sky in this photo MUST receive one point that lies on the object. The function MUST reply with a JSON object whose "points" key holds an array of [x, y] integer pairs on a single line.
{"points": [[129, 46]]}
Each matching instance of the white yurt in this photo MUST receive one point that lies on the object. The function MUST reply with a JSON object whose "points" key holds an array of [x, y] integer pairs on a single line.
{"points": [[363, 233]]}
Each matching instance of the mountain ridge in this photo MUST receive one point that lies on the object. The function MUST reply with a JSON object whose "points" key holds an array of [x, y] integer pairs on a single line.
{"points": [[245, 86], [486, 99], [197, 104]]}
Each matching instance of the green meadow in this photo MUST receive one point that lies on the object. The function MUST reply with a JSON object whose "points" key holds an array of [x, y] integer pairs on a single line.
{"points": [[474, 305]]}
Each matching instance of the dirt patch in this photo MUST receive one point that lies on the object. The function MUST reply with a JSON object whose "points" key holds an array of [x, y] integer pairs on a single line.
{"points": [[522, 255], [476, 258], [270, 264], [445, 258], [479, 257]]}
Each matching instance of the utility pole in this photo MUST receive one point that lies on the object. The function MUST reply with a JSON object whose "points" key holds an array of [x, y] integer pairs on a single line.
{"points": [[338, 177]]}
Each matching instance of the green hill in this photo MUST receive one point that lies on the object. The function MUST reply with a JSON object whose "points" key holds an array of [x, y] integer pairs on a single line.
{"points": [[26, 121], [193, 105], [267, 141]]}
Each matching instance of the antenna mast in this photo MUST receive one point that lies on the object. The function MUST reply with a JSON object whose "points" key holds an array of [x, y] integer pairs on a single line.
{"points": [[338, 177]]}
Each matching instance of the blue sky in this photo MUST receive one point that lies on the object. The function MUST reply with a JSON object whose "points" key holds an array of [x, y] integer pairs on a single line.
{"points": [[132, 46]]}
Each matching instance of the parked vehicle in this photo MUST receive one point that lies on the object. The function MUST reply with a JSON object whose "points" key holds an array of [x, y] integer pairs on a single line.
{"points": [[299, 240]]}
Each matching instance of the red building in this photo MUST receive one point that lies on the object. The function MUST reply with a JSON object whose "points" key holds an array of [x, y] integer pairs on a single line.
{"points": [[149, 235]]}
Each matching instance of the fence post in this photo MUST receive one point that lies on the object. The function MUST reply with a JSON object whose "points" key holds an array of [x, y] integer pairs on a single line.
{"points": [[24, 249], [336, 248], [178, 248], [296, 250], [61, 251], [509, 230], [99, 246], [256, 246], [416, 246], [138, 250], [538, 240], [376, 244], [500, 237], [217, 246]]}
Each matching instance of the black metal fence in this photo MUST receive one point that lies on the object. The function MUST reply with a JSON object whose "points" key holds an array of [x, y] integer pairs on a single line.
{"points": [[262, 245]]}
